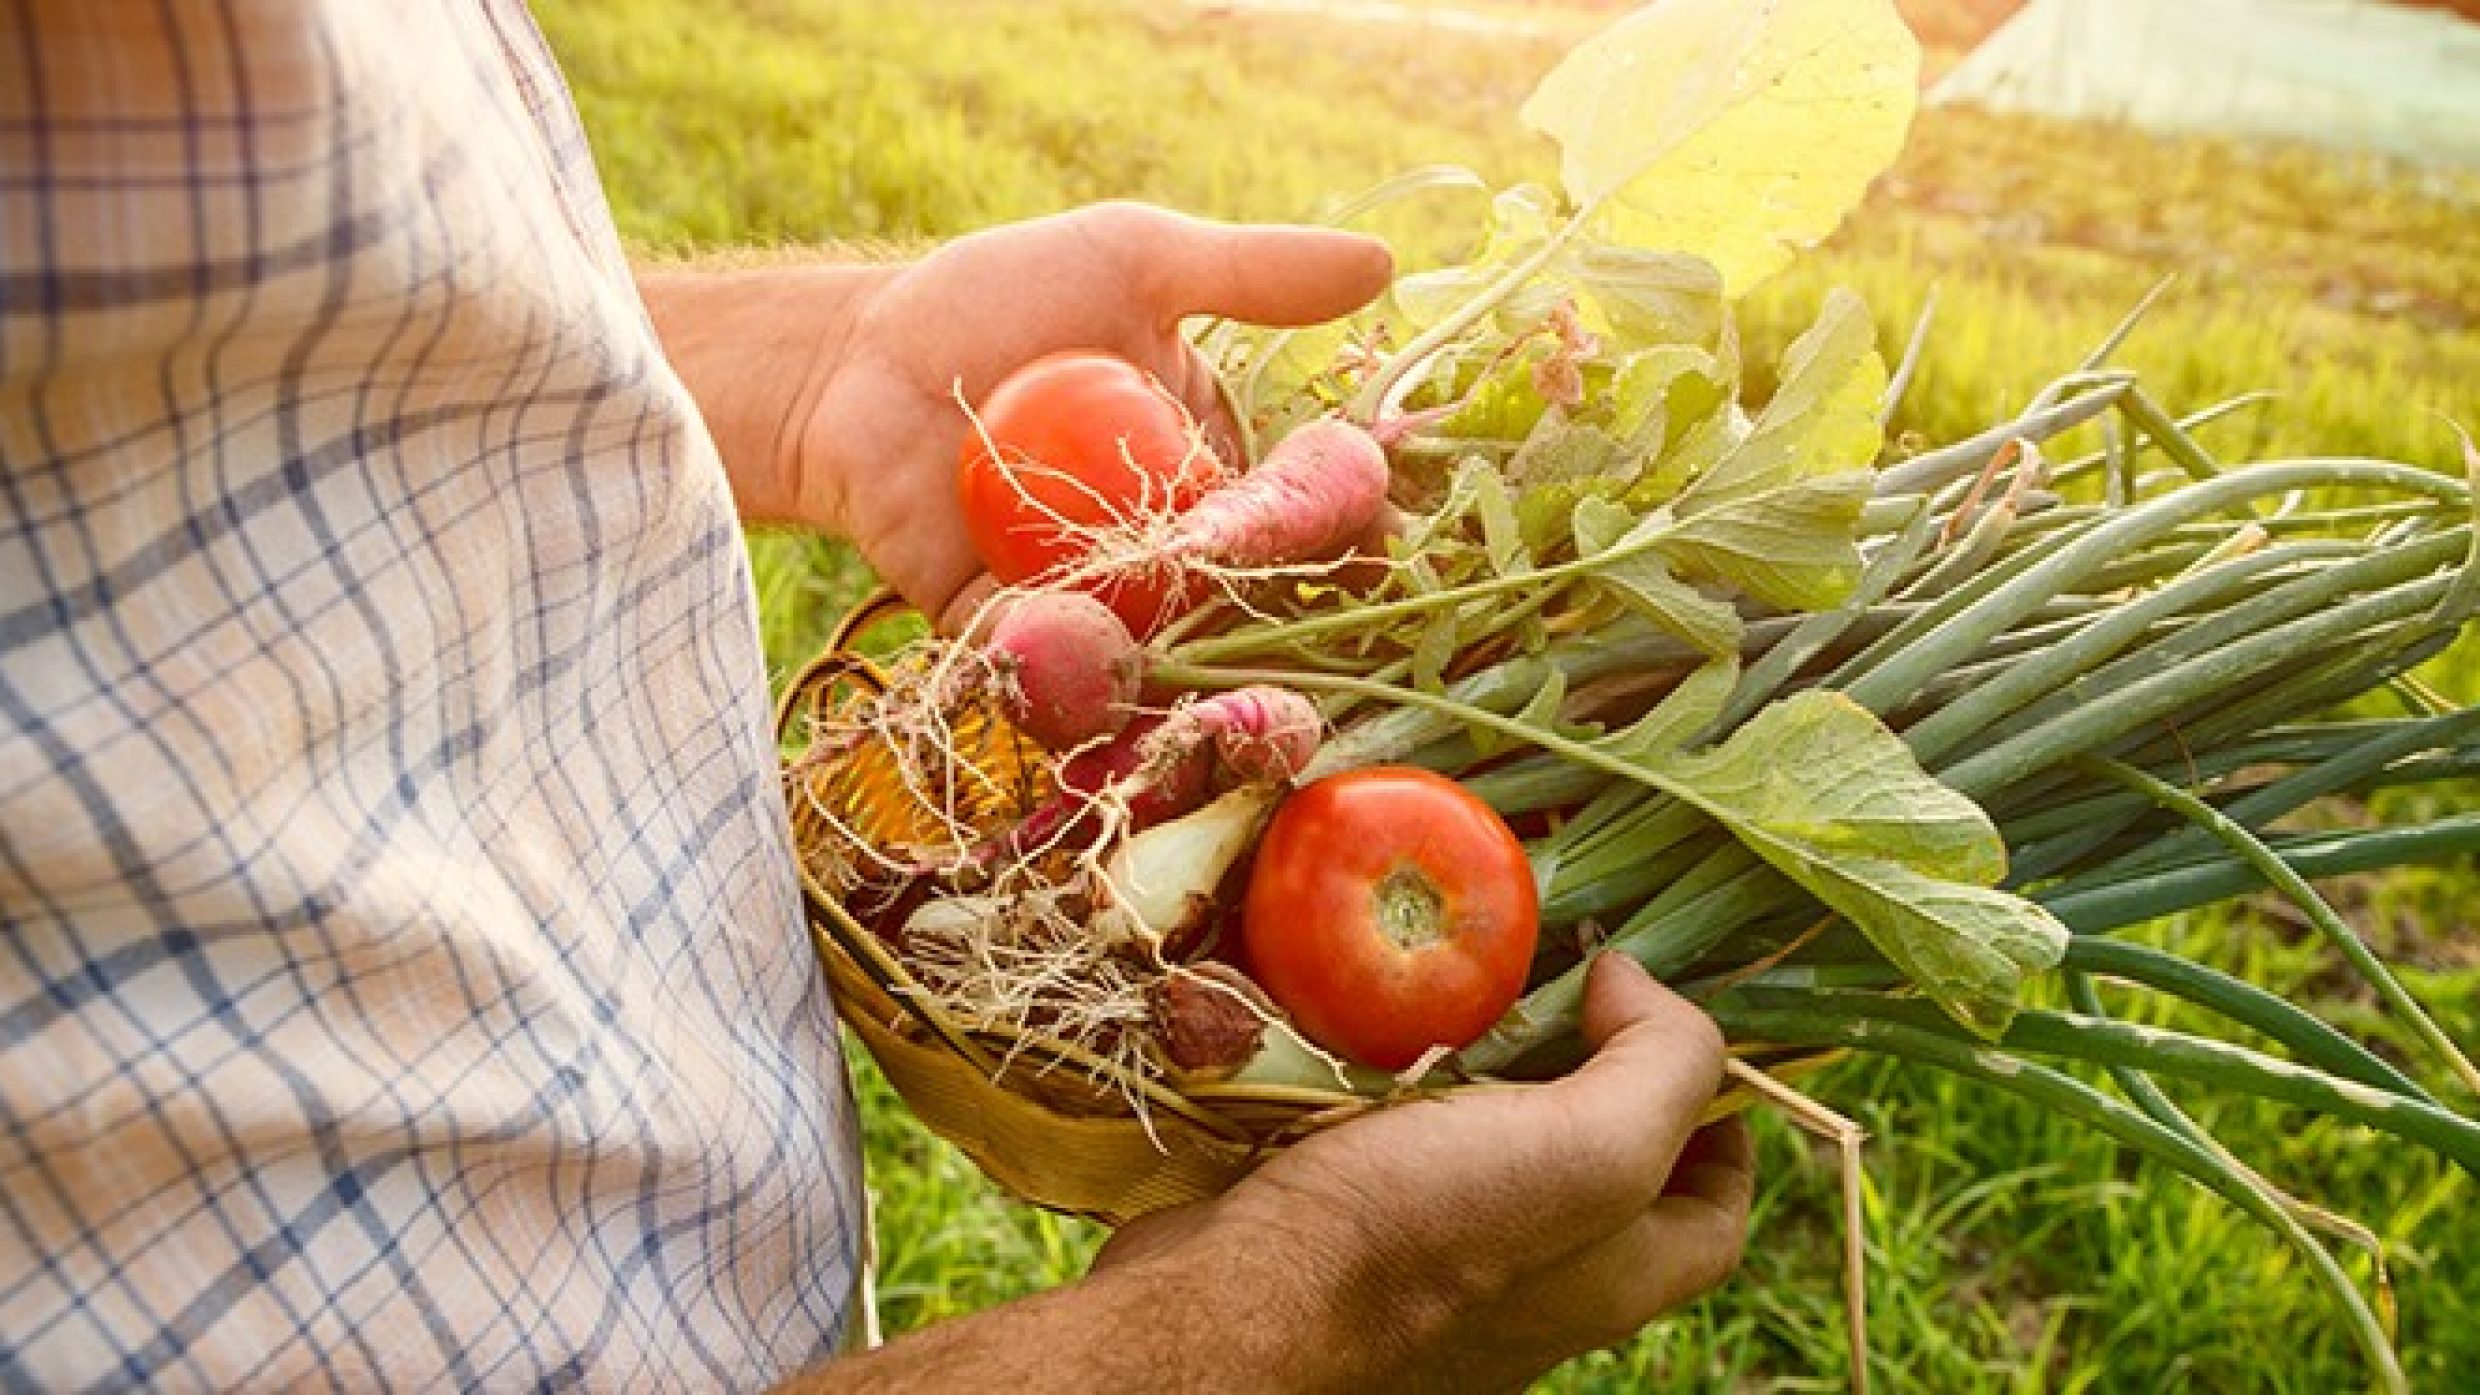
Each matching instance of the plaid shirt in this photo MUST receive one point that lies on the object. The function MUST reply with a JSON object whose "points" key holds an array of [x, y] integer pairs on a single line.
{"points": [[402, 978]]}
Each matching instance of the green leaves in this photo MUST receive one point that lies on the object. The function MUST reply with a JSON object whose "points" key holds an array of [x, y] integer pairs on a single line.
{"points": [[1639, 575], [1732, 130], [1818, 770], [1541, 713], [1774, 514], [1649, 297], [1822, 419], [1570, 453], [1502, 536], [1503, 405], [1791, 548], [1586, 437], [1830, 798], [1777, 513], [1658, 394], [1682, 713]]}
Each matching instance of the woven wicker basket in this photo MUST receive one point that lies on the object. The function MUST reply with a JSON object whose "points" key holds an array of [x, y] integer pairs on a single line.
{"points": [[1020, 1104]]}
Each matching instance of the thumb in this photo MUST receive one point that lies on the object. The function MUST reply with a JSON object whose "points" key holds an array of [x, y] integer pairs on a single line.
{"points": [[967, 615], [1151, 1234], [1639, 1028], [1620, 995], [1268, 274]]}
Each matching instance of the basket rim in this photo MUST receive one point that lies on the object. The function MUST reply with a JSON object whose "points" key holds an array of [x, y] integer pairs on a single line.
{"points": [[1033, 1053]]}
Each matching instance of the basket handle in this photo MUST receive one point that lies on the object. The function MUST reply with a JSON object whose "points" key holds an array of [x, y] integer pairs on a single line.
{"points": [[880, 605], [837, 663]]}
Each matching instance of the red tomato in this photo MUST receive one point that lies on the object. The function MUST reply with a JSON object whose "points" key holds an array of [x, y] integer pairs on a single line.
{"points": [[1084, 440], [1390, 911]]}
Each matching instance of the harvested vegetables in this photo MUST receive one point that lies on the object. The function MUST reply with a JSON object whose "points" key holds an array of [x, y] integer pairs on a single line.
{"points": [[1851, 744], [1390, 913]]}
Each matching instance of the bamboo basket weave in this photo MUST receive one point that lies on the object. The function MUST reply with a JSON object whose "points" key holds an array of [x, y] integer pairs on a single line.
{"points": [[1025, 1106]]}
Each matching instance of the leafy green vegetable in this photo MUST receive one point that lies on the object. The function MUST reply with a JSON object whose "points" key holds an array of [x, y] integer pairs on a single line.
{"points": [[1732, 130], [1679, 716], [1791, 547], [1821, 790], [1568, 452], [1640, 577], [1823, 416], [1659, 393]]}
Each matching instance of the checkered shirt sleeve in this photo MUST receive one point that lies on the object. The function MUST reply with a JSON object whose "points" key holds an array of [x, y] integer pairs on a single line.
{"points": [[402, 979]]}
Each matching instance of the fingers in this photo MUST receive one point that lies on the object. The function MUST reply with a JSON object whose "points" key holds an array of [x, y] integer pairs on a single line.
{"points": [[1645, 1263], [1268, 274], [963, 616], [1705, 1206], [1685, 1245], [1261, 273], [1693, 1237], [1718, 1167], [1632, 1107]]}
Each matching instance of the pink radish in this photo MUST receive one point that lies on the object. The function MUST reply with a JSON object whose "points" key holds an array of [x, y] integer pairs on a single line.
{"points": [[1067, 668], [1313, 496], [1256, 733], [1160, 779], [1161, 768], [1155, 782]]}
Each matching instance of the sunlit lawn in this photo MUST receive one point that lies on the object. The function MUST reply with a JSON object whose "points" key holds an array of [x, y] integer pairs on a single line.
{"points": [[2010, 1249]]}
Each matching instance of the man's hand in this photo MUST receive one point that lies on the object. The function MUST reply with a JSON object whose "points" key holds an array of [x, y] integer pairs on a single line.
{"points": [[1481, 1240], [832, 390], [1462, 1244]]}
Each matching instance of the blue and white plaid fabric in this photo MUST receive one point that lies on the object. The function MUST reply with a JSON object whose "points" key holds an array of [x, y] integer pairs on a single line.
{"points": [[401, 978]]}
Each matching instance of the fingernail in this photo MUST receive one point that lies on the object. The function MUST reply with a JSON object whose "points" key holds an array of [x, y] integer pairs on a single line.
{"points": [[1622, 963]]}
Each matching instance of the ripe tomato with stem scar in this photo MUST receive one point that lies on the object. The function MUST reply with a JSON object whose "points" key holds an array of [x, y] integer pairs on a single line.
{"points": [[1390, 911]]}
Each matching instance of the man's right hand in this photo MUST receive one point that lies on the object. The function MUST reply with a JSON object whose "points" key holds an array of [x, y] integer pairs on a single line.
{"points": [[1475, 1242], [1468, 1243]]}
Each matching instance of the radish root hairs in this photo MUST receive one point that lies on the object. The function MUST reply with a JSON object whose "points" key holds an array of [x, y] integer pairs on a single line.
{"points": [[1257, 733], [1023, 963], [1297, 515]]}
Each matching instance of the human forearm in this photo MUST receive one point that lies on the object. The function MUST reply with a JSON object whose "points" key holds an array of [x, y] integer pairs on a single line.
{"points": [[1217, 1310], [756, 347]]}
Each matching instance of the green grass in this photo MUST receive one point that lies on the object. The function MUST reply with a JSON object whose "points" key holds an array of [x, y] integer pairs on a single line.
{"points": [[2010, 1252]]}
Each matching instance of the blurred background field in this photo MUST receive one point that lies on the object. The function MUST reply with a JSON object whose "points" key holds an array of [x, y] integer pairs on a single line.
{"points": [[2010, 1251]]}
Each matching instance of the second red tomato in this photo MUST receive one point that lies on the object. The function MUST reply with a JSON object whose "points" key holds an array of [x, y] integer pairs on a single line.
{"points": [[1390, 911]]}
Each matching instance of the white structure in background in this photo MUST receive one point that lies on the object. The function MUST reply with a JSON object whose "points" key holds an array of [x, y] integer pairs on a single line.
{"points": [[2355, 74]]}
